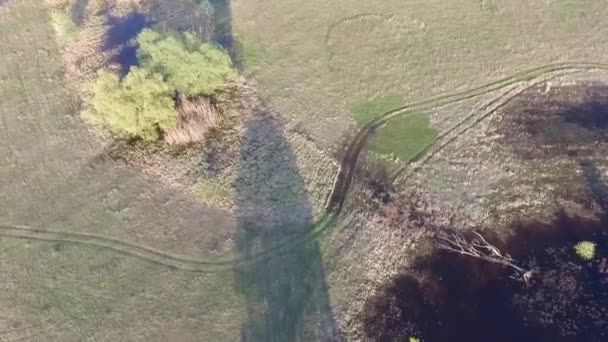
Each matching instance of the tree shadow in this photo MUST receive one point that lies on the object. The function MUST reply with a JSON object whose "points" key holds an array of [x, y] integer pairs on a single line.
{"points": [[78, 11], [595, 184], [124, 29], [195, 16], [121, 34], [223, 23], [286, 295]]}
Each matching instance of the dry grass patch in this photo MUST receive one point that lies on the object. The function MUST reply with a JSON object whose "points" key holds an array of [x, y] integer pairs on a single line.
{"points": [[196, 117]]}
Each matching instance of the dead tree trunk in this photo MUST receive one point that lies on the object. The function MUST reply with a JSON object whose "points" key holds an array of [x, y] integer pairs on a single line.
{"points": [[479, 248]]}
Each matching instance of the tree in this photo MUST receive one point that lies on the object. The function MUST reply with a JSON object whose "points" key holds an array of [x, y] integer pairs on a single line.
{"points": [[585, 250], [191, 67], [479, 248], [139, 105]]}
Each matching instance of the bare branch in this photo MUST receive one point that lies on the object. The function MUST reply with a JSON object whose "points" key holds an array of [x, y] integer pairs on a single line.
{"points": [[479, 248]]}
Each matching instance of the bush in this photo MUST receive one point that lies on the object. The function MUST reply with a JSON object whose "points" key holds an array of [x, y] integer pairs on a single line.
{"points": [[167, 94], [139, 105], [585, 250], [189, 66]]}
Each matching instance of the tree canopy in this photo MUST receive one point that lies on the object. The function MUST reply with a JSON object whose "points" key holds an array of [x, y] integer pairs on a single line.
{"points": [[189, 66], [142, 103], [138, 105]]}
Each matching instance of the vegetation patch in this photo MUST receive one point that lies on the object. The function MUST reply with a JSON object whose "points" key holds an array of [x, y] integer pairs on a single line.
{"points": [[65, 29], [214, 192], [367, 111], [404, 138], [191, 67], [168, 95], [139, 105], [248, 55], [566, 11], [585, 250]]}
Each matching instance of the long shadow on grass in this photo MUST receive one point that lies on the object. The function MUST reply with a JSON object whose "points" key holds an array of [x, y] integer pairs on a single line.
{"points": [[286, 296], [223, 23], [121, 34], [595, 184]]}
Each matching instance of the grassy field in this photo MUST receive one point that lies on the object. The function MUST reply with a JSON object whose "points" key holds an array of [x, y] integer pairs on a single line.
{"points": [[324, 58], [123, 254], [51, 179], [95, 248]]}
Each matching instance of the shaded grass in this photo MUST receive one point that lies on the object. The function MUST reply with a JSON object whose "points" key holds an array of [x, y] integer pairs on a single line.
{"points": [[248, 55], [404, 138], [367, 111]]}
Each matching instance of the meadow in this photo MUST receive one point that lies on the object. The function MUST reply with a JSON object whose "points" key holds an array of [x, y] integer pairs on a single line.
{"points": [[95, 247]]}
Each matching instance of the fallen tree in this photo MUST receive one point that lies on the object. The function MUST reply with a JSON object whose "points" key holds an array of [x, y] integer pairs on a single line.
{"points": [[478, 247]]}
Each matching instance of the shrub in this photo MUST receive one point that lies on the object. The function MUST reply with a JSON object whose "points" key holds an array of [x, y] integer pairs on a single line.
{"points": [[585, 250], [139, 105], [189, 66]]}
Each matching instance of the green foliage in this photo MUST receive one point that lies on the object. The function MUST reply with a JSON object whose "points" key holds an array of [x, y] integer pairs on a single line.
{"points": [[63, 26], [585, 250], [404, 138], [189, 66], [414, 339], [366, 111], [137, 106]]}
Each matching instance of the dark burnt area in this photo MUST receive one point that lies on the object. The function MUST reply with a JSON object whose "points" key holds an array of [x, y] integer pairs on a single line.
{"points": [[570, 121], [448, 297]]}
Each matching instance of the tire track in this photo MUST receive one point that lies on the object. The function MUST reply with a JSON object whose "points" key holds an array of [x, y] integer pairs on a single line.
{"points": [[475, 117], [335, 200], [161, 258], [349, 161]]}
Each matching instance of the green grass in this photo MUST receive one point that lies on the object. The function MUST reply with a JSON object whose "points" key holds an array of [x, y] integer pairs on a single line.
{"points": [[65, 29], [404, 138], [55, 176], [366, 111], [567, 11], [214, 192], [52, 178], [326, 56], [248, 55]]}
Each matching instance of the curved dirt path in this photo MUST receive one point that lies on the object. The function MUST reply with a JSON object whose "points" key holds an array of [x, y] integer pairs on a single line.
{"points": [[349, 161], [335, 200]]}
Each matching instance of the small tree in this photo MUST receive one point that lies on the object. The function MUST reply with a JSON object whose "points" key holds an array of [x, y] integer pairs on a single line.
{"points": [[585, 250], [191, 67], [479, 248], [139, 105]]}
